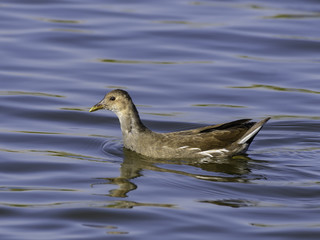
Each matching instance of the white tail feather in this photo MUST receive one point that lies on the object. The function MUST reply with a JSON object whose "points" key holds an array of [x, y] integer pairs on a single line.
{"points": [[250, 135]]}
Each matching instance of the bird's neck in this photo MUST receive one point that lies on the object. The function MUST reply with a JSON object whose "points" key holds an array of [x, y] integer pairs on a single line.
{"points": [[130, 121]]}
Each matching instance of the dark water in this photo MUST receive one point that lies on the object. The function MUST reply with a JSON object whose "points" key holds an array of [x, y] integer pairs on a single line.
{"points": [[63, 171]]}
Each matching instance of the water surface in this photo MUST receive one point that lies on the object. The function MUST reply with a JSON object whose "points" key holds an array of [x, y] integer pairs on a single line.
{"points": [[64, 172]]}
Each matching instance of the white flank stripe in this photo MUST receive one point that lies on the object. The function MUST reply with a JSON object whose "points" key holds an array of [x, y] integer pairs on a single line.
{"points": [[183, 147], [209, 152], [189, 148], [194, 149]]}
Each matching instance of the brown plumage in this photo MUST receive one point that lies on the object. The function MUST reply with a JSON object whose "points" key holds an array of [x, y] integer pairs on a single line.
{"points": [[225, 139]]}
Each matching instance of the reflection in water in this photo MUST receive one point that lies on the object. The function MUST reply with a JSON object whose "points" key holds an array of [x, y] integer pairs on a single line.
{"points": [[277, 88], [190, 24], [109, 227], [295, 117], [131, 204], [294, 16], [234, 203], [21, 93], [54, 153], [64, 21], [218, 170], [240, 203], [152, 62], [217, 105]]}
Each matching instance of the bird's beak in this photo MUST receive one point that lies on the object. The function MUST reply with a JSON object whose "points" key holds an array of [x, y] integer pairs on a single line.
{"points": [[96, 107]]}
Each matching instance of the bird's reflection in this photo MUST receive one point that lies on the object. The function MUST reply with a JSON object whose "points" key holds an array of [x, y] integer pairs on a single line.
{"points": [[234, 169]]}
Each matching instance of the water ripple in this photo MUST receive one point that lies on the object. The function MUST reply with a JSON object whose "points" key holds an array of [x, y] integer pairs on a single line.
{"points": [[152, 62]]}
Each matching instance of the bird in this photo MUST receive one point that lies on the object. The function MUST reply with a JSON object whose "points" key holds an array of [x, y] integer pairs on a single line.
{"points": [[221, 140]]}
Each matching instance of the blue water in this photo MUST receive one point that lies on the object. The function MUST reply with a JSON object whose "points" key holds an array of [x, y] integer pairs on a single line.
{"points": [[63, 171]]}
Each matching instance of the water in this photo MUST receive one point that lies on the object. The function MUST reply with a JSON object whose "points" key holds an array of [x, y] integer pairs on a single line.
{"points": [[64, 173]]}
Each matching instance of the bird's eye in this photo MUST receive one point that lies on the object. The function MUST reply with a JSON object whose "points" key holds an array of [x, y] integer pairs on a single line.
{"points": [[112, 98]]}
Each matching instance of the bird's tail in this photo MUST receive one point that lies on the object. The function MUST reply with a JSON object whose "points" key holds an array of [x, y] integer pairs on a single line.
{"points": [[252, 132]]}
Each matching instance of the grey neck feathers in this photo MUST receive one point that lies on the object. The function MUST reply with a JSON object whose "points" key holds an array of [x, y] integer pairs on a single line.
{"points": [[130, 121]]}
